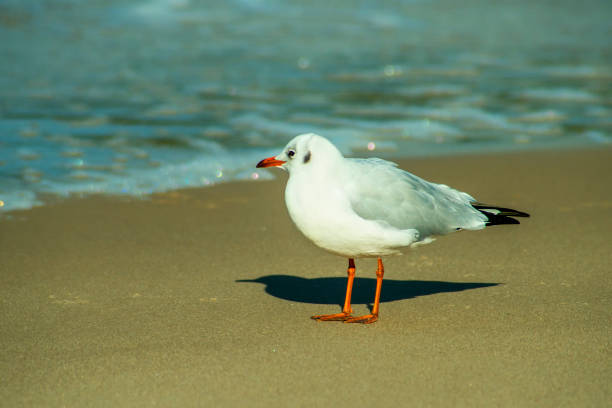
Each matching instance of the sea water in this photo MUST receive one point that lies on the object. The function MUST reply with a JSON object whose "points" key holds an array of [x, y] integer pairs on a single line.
{"points": [[142, 96]]}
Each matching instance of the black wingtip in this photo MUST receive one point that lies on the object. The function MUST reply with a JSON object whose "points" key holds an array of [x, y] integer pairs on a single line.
{"points": [[499, 215], [499, 210], [494, 219]]}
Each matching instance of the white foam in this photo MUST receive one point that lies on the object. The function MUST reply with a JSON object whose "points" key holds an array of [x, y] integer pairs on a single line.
{"points": [[203, 171]]}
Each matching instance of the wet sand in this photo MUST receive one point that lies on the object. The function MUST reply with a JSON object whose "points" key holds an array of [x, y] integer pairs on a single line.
{"points": [[202, 297]]}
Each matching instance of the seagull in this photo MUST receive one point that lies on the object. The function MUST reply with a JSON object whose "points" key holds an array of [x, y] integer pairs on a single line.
{"points": [[359, 208]]}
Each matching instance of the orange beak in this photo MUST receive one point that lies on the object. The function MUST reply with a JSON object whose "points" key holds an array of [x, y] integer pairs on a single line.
{"points": [[270, 162]]}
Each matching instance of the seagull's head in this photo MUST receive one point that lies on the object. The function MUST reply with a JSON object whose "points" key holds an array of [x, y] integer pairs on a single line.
{"points": [[303, 151]]}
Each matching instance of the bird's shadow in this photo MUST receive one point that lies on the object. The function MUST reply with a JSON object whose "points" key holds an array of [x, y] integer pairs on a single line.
{"points": [[331, 290]]}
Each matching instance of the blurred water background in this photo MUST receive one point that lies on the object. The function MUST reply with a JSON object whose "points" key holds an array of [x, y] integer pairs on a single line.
{"points": [[139, 96]]}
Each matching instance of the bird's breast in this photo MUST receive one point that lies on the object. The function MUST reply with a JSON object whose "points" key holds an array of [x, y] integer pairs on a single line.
{"points": [[312, 206], [324, 215]]}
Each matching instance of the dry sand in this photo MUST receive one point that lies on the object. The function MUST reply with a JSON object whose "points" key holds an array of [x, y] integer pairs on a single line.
{"points": [[127, 303]]}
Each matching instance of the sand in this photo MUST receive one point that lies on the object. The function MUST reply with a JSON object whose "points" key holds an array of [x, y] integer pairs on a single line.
{"points": [[202, 297]]}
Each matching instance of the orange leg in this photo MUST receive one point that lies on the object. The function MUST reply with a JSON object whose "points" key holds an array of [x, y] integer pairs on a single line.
{"points": [[372, 317], [346, 310]]}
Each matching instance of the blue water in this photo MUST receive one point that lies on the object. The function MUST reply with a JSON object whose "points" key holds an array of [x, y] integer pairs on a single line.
{"points": [[135, 97]]}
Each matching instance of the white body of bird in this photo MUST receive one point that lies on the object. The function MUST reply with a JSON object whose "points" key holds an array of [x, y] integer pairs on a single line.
{"points": [[367, 207]]}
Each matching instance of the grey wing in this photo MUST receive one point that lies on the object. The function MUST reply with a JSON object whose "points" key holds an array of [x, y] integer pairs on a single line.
{"points": [[379, 190]]}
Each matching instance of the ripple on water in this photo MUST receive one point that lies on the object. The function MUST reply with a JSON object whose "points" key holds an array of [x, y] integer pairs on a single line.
{"points": [[558, 95]]}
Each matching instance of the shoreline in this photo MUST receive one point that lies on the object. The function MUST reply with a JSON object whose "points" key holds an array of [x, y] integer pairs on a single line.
{"points": [[404, 162], [203, 296]]}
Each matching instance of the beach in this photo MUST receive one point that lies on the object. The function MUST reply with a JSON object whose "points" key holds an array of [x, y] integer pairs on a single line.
{"points": [[202, 297]]}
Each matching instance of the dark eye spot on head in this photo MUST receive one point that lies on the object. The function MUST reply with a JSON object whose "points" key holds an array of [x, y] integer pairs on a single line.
{"points": [[291, 153], [307, 157]]}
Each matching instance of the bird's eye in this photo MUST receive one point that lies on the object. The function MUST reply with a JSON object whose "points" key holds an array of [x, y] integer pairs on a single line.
{"points": [[291, 153]]}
